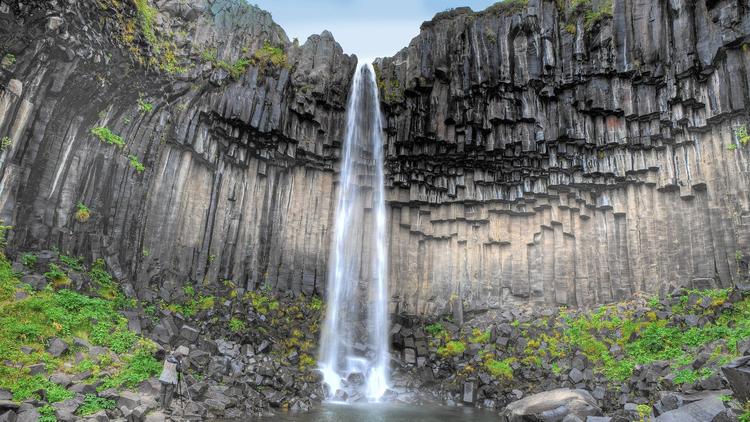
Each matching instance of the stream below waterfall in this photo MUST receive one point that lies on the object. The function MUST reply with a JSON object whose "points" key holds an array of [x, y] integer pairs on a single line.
{"points": [[380, 412]]}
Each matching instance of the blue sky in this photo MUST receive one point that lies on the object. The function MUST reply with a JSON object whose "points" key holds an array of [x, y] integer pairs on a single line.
{"points": [[367, 28]]}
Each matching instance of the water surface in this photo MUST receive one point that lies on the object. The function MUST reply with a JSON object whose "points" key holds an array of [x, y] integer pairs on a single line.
{"points": [[385, 413]]}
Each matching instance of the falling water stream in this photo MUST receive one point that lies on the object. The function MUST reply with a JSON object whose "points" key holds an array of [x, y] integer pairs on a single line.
{"points": [[354, 343]]}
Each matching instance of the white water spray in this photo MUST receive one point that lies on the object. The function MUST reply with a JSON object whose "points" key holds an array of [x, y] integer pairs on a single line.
{"points": [[355, 332]]}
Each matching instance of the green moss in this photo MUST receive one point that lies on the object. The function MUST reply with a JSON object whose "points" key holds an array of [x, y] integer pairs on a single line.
{"points": [[146, 15], [237, 325], [5, 143], [136, 164], [270, 54], [452, 348], [508, 7], [107, 136], [145, 106], [500, 368], [479, 336]]}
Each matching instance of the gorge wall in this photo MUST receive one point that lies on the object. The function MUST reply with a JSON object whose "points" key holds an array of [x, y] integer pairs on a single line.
{"points": [[539, 156], [533, 154], [238, 151]]}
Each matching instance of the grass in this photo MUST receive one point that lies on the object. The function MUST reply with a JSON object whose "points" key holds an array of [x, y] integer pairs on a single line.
{"points": [[29, 260], [92, 404], [27, 325], [146, 15], [106, 136]]}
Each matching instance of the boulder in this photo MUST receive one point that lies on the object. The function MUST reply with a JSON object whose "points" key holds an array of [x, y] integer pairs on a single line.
{"points": [[738, 374], [56, 347], [552, 406], [700, 411]]}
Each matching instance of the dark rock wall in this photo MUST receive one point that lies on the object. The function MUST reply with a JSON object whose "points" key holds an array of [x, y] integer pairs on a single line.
{"points": [[530, 157], [239, 173], [534, 160]]}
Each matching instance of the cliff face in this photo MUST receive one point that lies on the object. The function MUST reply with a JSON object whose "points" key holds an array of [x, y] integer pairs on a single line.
{"points": [[237, 127], [534, 153], [540, 154]]}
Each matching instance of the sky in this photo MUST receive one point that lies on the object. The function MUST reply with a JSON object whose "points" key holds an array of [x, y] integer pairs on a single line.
{"points": [[367, 28]]}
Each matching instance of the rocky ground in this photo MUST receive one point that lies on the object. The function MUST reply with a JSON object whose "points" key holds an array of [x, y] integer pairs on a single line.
{"points": [[75, 346], [648, 355]]}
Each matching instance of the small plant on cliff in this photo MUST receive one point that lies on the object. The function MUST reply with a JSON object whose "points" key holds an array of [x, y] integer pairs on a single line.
{"points": [[269, 54], [105, 135], [452, 348], [146, 15], [316, 304], [145, 106], [136, 164], [741, 135], [83, 213], [237, 325], [507, 7], [8, 60], [5, 143]]}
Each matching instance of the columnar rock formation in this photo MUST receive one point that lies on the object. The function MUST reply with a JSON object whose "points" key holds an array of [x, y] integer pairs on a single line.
{"points": [[532, 160], [532, 155], [238, 173]]}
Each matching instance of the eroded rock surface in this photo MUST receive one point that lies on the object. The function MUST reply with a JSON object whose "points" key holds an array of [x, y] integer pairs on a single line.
{"points": [[529, 158], [534, 158]]}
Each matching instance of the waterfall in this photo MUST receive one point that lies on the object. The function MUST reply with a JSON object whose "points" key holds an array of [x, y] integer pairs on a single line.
{"points": [[354, 342]]}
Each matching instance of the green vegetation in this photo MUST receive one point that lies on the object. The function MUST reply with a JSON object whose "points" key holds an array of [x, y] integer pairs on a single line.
{"points": [[8, 60], [28, 323], [316, 304], [105, 135], [236, 69], [435, 330], [47, 414], [57, 276], [263, 302], [508, 7], [269, 54], [146, 15], [452, 348], [136, 164], [83, 213], [741, 136], [592, 11], [5, 143], [237, 325], [73, 263], [29, 260], [195, 303], [479, 336], [144, 106], [647, 339], [500, 368], [92, 404]]}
